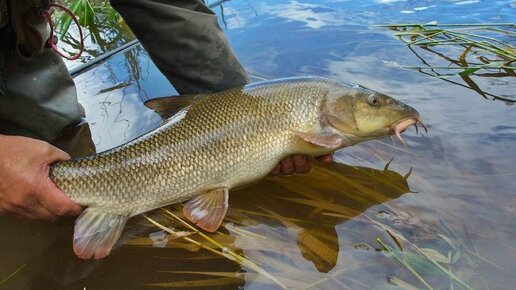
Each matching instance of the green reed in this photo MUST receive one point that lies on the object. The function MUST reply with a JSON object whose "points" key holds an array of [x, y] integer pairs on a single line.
{"points": [[301, 249], [484, 45], [426, 258], [12, 274], [86, 12]]}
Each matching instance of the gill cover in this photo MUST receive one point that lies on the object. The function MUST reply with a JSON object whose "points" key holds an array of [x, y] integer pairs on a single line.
{"points": [[338, 112]]}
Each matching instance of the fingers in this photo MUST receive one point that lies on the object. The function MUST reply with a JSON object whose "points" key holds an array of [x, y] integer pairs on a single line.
{"points": [[26, 190], [41, 213], [26, 209], [276, 170], [298, 164], [56, 154], [292, 164], [52, 200], [328, 158], [287, 166], [301, 163], [56, 202]]}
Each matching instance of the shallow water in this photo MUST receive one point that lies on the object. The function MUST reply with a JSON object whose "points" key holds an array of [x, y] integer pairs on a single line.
{"points": [[318, 230]]}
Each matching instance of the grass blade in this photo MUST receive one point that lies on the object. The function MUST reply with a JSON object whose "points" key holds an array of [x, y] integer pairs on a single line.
{"points": [[12, 274]]}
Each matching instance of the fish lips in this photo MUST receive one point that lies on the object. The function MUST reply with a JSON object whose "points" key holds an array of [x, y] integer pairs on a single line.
{"points": [[401, 125]]}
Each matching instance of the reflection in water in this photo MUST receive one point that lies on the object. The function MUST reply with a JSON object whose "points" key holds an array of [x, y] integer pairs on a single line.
{"points": [[104, 30], [317, 203], [467, 51], [286, 221], [113, 93]]}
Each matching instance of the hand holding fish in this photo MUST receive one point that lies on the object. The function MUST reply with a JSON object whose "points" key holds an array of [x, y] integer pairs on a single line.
{"points": [[297, 164], [26, 191]]}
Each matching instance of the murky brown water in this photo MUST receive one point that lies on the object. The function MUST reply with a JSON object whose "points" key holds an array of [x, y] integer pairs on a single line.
{"points": [[318, 231]]}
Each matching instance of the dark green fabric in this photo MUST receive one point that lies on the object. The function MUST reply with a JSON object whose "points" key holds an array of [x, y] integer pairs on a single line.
{"points": [[182, 37], [3, 13], [38, 98], [185, 41]]}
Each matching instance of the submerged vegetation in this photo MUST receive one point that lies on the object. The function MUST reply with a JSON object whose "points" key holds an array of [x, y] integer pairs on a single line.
{"points": [[300, 248], [482, 50], [86, 12], [5, 279]]}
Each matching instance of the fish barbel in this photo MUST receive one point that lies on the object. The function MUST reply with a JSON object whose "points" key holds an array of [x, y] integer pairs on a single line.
{"points": [[218, 142]]}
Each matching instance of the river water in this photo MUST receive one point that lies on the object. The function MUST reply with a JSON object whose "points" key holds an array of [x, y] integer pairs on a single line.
{"points": [[323, 230]]}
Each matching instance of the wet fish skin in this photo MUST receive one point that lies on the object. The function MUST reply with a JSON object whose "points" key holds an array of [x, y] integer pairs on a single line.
{"points": [[221, 141]]}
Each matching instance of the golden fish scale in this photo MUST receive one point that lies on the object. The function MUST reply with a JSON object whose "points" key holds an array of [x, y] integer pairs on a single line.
{"points": [[225, 139]]}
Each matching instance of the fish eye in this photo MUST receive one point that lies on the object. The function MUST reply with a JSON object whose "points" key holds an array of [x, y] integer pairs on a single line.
{"points": [[372, 100]]}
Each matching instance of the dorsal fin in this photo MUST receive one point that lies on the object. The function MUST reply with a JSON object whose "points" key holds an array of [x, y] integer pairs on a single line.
{"points": [[167, 107]]}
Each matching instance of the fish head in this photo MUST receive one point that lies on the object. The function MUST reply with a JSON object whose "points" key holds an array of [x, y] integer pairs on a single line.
{"points": [[361, 114]]}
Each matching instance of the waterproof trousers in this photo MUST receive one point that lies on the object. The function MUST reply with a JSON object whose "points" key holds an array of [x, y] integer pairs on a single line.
{"points": [[38, 98]]}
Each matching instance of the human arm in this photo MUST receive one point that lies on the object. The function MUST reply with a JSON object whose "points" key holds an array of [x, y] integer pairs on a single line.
{"points": [[26, 190]]}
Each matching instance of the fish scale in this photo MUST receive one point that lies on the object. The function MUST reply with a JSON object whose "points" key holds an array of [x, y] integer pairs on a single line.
{"points": [[218, 142]]}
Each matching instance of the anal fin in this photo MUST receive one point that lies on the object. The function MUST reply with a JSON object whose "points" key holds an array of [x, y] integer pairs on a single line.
{"points": [[96, 232], [209, 209]]}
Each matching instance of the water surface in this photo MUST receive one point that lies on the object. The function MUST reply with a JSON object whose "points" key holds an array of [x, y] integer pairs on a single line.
{"points": [[318, 230]]}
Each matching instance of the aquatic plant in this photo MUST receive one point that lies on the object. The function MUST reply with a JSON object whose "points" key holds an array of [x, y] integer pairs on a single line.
{"points": [[105, 31], [3, 280], [292, 238], [464, 50], [421, 257], [269, 256], [86, 11]]}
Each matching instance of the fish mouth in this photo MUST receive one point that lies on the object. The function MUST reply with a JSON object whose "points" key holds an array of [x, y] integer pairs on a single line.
{"points": [[402, 125]]}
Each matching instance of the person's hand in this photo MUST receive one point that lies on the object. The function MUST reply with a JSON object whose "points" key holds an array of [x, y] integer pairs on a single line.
{"points": [[26, 191], [297, 164]]}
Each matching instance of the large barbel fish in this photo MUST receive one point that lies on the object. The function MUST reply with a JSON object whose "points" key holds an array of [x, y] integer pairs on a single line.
{"points": [[218, 142]]}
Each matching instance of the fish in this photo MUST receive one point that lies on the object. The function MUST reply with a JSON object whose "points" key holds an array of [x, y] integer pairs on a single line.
{"points": [[211, 143]]}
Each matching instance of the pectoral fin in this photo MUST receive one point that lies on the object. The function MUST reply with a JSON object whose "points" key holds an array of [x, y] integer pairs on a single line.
{"points": [[328, 140], [96, 232], [208, 210]]}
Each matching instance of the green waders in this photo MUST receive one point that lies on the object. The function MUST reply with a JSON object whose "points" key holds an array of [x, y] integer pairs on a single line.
{"points": [[37, 94], [186, 43], [38, 97]]}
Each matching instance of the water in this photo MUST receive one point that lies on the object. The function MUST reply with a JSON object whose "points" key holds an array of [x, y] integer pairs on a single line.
{"points": [[319, 230]]}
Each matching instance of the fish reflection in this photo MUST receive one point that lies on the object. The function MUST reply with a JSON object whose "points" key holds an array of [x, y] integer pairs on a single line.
{"points": [[275, 221], [314, 204]]}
